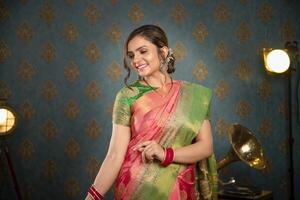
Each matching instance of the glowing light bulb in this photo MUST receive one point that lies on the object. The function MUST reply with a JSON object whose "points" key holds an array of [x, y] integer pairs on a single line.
{"points": [[277, 61], [3, 116]]}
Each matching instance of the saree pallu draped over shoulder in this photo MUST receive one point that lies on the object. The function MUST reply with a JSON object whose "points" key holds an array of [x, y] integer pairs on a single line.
{"points": [[172, 120]]}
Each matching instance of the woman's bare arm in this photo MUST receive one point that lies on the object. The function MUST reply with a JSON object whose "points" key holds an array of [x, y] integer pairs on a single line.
{"points": [[202, 148], [112, 163]]}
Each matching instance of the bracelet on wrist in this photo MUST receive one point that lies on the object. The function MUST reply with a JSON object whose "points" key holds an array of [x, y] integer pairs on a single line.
{"points": [[94, 193], [169, 157]]}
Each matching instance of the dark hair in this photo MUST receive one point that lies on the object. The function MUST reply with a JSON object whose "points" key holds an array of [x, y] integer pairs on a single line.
{"points": [[156, 36]]}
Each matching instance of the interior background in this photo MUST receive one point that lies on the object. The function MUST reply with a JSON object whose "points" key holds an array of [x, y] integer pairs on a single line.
{"points": [[61, 66]]}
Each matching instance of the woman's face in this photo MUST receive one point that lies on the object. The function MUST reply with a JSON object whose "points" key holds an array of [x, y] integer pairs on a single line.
{"points": [[143, 56]]}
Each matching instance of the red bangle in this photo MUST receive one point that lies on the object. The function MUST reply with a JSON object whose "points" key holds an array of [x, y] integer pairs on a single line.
{"points": [[95, 194], [169, 157]]}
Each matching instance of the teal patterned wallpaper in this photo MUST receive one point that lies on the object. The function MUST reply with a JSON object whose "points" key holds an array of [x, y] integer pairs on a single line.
{"points": [[61, 66]]}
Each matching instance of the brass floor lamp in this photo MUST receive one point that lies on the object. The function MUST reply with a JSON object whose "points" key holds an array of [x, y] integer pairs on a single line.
{"points": [[8, 120], [286, 61]]}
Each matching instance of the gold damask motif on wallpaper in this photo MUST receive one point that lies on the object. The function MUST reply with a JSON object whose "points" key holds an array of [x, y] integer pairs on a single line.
{"points": [[72, 188], [47, 13], [244, 2], [70, 33], [92, 52], [243, 32], [287, 32], [49, 90], [49, 169], [178, 13], [265, 128], [200, 32], [265, 12], [243, 109], [114, 33], [222, 128], [71, 72], [114, 71], [49, 130], [93, 14], [71, 110], [222, 90], [25, 32], [284, 146], [27, 110], [283, 109], [180, 52], [24, 1], [48, 52], [4, 12], [4, 51], [222, 13], [92, 167], [243, 71], [26, 71], [264, 90], [93, 129], [70, 2], [72, 148], [26, 149], [93, 91], [114, 2], [156, 1], [5, 91], [200, 2], [222, 52], [200, 71], [136, 14]]}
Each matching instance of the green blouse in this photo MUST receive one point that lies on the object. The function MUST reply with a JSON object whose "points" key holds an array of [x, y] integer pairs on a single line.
{"points": [[125, 98]]}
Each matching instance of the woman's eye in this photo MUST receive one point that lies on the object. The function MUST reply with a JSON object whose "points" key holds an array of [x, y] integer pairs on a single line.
{"points": [[142, 52], [130, 56]]}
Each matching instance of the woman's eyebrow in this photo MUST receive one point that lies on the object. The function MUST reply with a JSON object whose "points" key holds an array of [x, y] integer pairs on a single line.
{"points": [[137, 49]]}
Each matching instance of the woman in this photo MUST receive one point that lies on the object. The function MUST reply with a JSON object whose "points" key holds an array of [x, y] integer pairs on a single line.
{"points": [[161, 146]]}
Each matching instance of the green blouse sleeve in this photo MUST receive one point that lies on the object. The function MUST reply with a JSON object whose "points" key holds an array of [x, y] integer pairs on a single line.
{"points": [[121, 111]]}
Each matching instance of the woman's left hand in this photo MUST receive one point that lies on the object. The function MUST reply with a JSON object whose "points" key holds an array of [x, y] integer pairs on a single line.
{"points": [[150, 150]]}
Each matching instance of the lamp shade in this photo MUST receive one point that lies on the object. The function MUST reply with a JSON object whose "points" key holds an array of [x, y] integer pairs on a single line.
{"points": [[276, 60], [8, 119]]}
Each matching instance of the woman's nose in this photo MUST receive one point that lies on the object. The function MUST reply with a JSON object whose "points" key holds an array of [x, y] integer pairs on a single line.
{"points": [[136, 59]]}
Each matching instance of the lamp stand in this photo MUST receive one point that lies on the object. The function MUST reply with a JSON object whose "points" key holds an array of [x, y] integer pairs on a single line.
{"points": [[4, 148], [291, 138], [293, 53]]}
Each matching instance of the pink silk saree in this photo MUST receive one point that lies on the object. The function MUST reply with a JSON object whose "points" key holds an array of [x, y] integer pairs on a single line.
{"points": [[173, 120]]}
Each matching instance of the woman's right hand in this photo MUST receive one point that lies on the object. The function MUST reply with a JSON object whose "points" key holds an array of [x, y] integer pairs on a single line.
{"points": [[151, 150]]}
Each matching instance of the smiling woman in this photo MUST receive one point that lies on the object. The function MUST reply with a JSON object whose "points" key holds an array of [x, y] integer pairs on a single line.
{"points": [[147, 46], [161, 146], [143, 57]]}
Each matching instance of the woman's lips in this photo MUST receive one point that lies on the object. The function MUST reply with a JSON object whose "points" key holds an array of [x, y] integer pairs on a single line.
{"points": [[141, 66]]}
